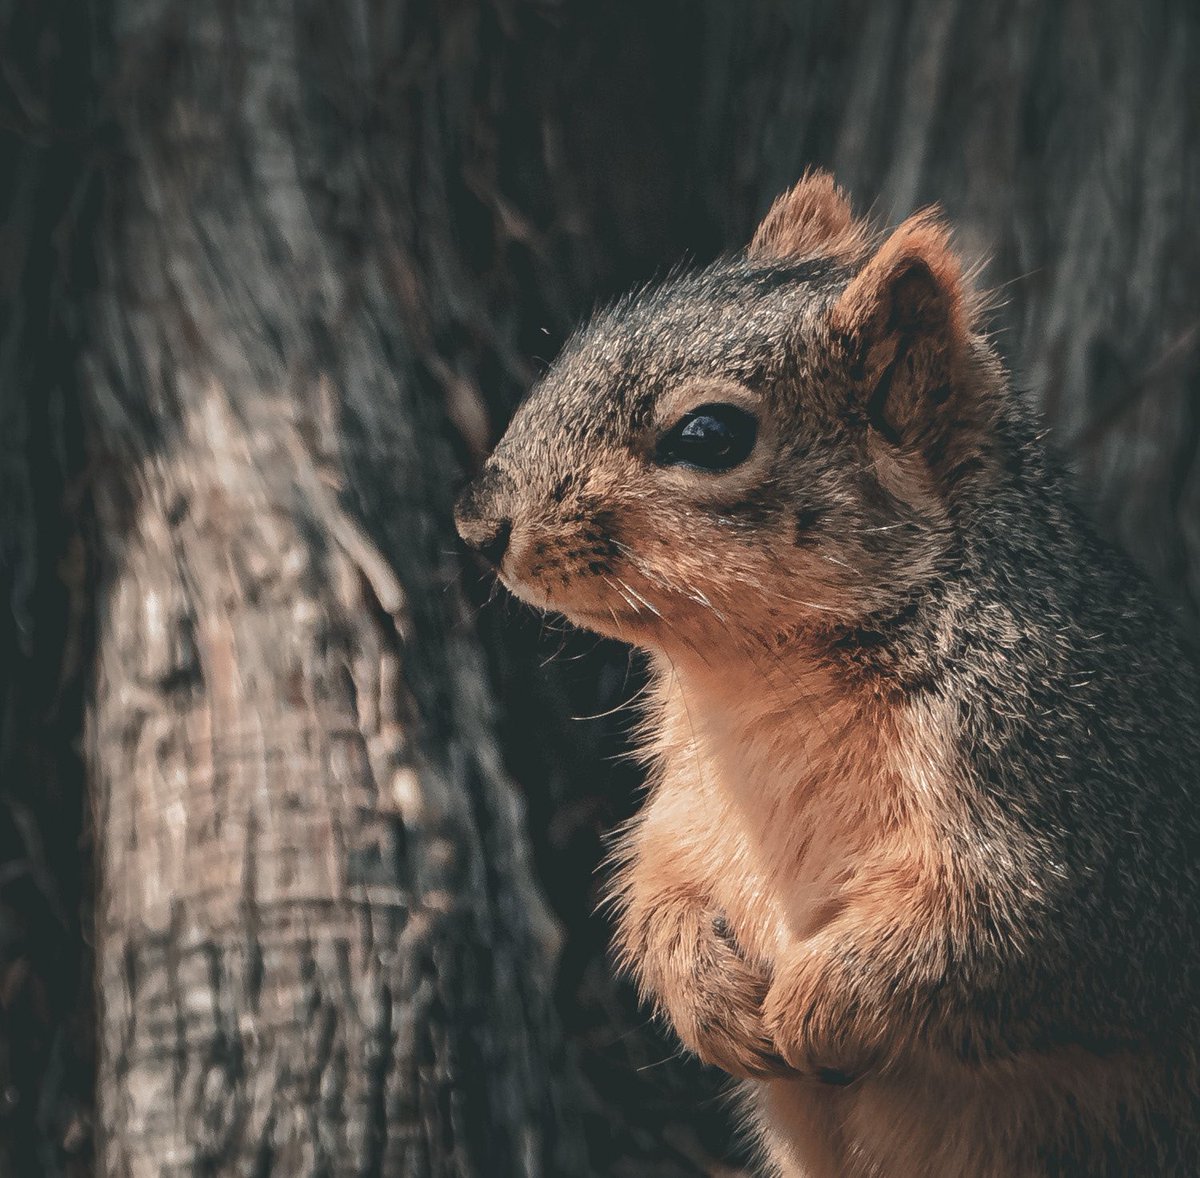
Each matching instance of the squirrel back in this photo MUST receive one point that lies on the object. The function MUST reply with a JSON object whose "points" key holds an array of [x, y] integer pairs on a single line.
{"points": [[919, 859]]}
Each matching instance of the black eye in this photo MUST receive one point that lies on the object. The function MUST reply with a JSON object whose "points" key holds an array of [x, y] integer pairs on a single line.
{"points": [[710, 437]]}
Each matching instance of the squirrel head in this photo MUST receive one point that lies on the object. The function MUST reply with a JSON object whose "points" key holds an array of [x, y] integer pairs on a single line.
{"points": [[769, 446]]}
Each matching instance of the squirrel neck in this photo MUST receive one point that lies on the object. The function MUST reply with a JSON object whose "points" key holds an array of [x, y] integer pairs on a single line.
{"points": [[834, 681], [886, 655], [848, 681]]}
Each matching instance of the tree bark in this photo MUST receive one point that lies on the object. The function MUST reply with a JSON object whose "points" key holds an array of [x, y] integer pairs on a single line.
{"points": [[320, 950], [46, 209]]}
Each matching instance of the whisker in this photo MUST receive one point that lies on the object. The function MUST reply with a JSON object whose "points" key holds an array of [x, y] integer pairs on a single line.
{"points": [[629, 588], [624, 597], [841, 563], [632, 701], [687, 711]]}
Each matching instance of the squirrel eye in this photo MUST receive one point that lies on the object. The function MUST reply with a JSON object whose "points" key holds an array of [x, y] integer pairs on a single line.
{"points": [[710, 437]]}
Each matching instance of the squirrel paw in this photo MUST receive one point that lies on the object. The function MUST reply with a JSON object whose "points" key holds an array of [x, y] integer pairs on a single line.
{"points": [[821, 1023], [715, 1006], [725, 1029]]}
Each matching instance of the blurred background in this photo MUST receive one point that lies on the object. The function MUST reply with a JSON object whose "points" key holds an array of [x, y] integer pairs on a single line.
{"points": [[300, 826]]}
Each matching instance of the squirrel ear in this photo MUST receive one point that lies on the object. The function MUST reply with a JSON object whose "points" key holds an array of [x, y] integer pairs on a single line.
{"points": [[904, 323], [813, 219]]}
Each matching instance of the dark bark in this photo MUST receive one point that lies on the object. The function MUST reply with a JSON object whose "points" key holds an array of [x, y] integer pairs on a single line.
{"points": [[339, 237], [46, 207]]}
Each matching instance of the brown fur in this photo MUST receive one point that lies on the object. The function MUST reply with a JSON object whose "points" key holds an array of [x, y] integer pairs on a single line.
{"points": [[895, 871], [809, 220]]}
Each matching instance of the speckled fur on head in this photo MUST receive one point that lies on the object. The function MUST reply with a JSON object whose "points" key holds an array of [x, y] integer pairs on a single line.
{"points": [[919, 862]]}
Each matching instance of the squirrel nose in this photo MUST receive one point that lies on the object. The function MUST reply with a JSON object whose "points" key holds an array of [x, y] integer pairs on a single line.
{"points": [[488, 534], [492, 543], [481, 518]]}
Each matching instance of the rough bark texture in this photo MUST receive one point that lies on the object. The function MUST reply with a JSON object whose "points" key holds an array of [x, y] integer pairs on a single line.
{"points": [[320, 950], [338, 238]]}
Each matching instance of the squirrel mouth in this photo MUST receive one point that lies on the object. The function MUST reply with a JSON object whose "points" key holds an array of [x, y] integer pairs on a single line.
{"points": [[625, 616]]}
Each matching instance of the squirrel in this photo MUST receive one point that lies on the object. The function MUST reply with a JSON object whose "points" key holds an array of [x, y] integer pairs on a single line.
{"points": [[919, 859]]}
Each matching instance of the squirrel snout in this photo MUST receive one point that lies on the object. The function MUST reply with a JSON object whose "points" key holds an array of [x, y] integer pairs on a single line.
{"points": [[486, 531]]}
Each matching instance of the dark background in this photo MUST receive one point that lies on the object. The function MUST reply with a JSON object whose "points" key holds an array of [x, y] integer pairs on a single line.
{"points": [[326, 245]]}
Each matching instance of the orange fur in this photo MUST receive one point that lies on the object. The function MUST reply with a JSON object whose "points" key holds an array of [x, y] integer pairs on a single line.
{"points": [[812, 219], [949, 1119], [906, 320]]}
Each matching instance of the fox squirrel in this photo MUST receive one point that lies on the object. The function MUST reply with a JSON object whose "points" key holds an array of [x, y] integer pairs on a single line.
{"points": [[920, 859]]}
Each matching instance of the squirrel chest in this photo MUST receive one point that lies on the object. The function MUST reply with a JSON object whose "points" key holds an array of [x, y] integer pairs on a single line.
{"points": [[792, 797]]}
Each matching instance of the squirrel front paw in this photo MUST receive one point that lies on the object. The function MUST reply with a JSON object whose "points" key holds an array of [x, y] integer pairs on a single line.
{"points": [[699, 979], [721, 1016], [824, 1020]]}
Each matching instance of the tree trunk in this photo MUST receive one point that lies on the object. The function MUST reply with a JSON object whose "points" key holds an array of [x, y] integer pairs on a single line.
{"points": [[320, 949]]}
